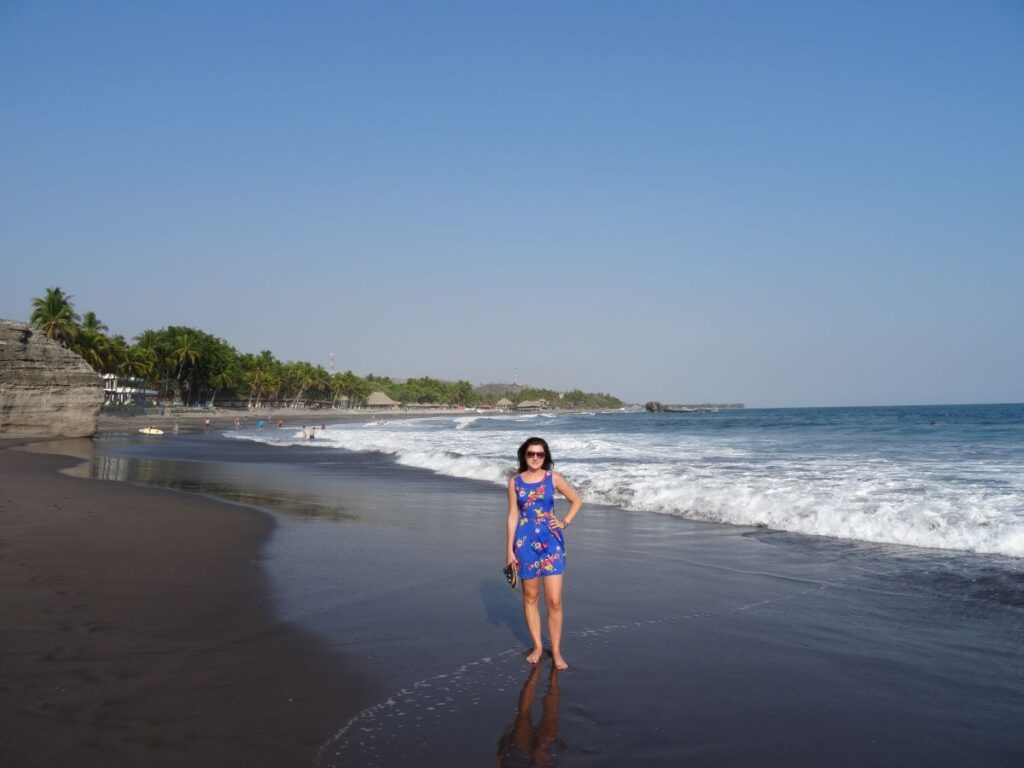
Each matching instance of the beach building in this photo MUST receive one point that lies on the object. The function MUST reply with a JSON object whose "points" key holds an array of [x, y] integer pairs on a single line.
{"points": [[378, 401], [532, 405], [504, 404], [126, 390]]}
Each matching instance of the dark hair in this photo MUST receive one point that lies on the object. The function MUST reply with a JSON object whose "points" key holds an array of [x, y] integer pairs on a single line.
{"points": [[548, 461]]}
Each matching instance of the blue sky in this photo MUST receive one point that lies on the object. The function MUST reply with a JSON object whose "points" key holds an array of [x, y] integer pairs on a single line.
{"points": [[792, 203]]}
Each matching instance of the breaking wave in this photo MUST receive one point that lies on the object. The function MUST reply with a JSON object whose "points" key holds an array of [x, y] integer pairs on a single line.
{"points": [[926, 497]]}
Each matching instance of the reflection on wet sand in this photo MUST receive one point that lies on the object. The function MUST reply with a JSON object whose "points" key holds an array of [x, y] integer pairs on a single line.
{"points": [[237, 483], [76, 447], [524, 744]]}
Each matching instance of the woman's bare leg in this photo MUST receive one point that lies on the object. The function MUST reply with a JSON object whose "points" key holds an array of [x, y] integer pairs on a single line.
{"points": [[553, 599], [531, 610]]}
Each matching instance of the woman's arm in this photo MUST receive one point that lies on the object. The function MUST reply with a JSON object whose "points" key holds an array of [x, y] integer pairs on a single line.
{"points": [[513, 521], [569, 492]]}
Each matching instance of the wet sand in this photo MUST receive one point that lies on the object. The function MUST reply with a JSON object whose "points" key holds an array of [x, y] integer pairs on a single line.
{"points": [[136, 631], [689, 643]]}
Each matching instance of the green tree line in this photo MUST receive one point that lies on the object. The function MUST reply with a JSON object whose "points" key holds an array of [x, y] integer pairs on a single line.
{"points": [[191, 366]]}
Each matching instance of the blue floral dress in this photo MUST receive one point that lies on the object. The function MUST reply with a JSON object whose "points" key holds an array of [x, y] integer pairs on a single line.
{"points": [[539, 549]]}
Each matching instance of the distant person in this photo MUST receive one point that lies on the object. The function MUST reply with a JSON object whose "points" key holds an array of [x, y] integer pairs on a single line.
{"points": [[535, 542], [280, 423], [261, 424]]}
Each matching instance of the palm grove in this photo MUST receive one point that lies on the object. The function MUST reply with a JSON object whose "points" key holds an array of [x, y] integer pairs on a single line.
{"points": [[191, 366]]}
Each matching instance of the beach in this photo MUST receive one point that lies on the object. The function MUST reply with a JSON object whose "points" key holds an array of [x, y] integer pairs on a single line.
{"points": [[136, 630], [346, 609]]}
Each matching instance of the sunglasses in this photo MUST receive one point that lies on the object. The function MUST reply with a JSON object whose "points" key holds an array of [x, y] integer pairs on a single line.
{"points": [[535, 454]]}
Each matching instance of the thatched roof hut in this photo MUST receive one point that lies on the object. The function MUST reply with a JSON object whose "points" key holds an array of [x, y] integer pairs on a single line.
{"points": [[532, 405], [504, 403], [380, 401]]}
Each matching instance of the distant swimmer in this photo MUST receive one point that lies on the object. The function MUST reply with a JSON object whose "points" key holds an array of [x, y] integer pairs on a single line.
{"points": [[261, 423], [280, 422]]}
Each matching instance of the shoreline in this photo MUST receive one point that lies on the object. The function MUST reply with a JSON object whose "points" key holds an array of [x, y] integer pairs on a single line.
{"points": [[711, 645], [223, 418], [139, 632]]}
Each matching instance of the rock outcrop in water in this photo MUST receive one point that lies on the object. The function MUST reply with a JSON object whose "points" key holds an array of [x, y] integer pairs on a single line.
{"points": [[656, 407], [45, 389]]}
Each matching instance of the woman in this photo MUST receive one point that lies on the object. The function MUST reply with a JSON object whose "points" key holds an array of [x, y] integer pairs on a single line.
{"points": [[535, 541]]}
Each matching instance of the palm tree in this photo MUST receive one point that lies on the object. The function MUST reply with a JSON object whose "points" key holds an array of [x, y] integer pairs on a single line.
{"points": [[94, 348], [92, 323], [93, 345], [255, 380], [272, 384], [54, 315], [297, 381], [146, 360], [461, 393], [353, 388], [185, 353], [259, 372], [225, 379], [141, 361], [147, 339], [337, 383], [118, 355]]}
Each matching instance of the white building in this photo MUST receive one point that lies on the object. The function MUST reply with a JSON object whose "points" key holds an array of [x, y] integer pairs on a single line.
{"points": [[125, 390]]}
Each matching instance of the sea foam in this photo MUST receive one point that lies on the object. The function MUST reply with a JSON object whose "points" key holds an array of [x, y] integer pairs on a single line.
{"points": [[938, 500]]}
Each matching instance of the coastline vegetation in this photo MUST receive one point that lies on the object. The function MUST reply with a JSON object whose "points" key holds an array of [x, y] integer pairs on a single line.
{"points": [[188, 365]]}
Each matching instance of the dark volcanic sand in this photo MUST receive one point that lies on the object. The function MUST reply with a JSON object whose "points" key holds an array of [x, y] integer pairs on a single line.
{"points": [[135, 631], [690, 644]]}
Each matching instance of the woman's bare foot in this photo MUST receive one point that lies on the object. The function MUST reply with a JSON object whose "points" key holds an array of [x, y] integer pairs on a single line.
{"points": [[535, 655], [559, 661]]}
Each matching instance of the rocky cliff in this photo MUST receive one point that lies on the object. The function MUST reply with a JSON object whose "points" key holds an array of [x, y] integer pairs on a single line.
{"points": [[45, 389]]}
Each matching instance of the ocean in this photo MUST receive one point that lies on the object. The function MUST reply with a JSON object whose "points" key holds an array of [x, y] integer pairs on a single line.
{"points": [[943, 477], [749, 588]]}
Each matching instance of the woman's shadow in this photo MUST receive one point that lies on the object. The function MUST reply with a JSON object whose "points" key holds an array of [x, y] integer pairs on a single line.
{"points": [[500, 610], [524, 744]]}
